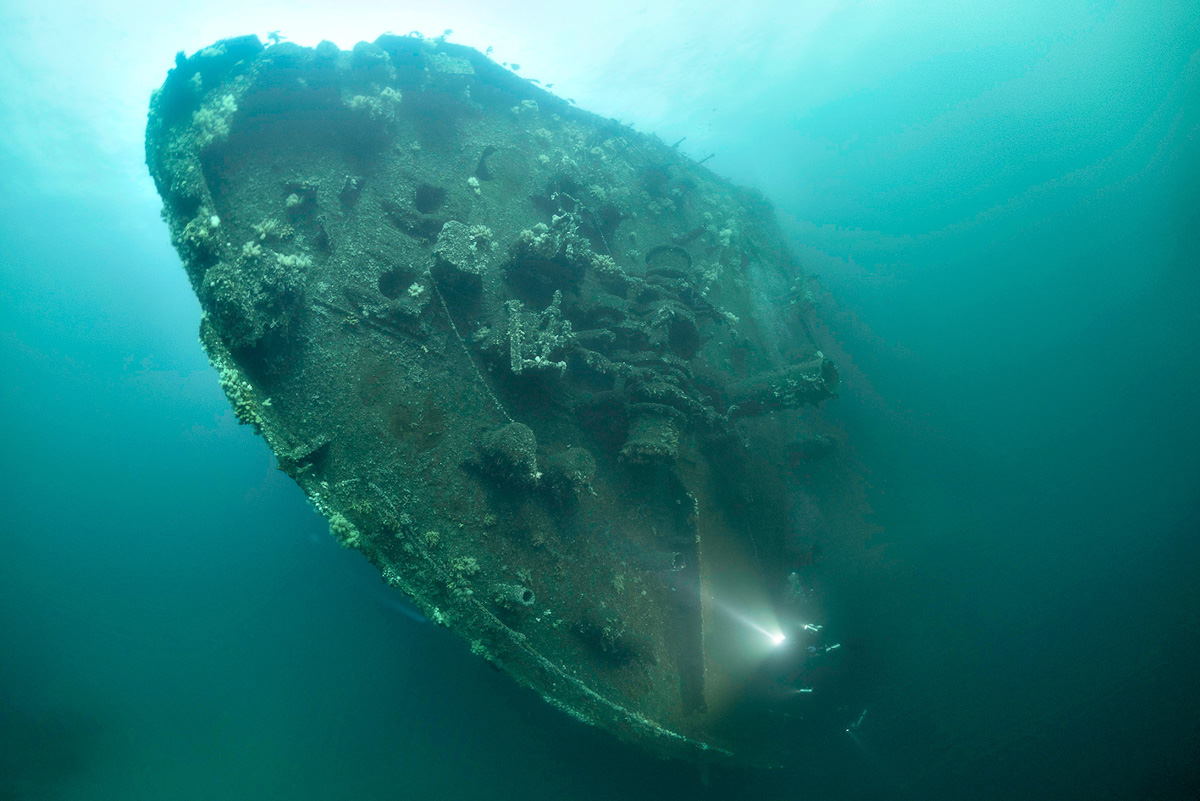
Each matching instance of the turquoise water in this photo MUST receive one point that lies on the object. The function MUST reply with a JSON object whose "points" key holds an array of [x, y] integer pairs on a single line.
{"points": [[1002, 206]]}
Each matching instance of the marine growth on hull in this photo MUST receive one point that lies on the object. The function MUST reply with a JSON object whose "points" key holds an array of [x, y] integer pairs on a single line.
{"points": [[557, 381]]}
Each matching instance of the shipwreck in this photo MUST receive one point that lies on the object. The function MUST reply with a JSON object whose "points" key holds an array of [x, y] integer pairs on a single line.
{"points": [[556, 380]]}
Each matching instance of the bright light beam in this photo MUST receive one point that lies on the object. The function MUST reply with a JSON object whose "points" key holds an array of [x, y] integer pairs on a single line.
{"points": [[773, 635]]}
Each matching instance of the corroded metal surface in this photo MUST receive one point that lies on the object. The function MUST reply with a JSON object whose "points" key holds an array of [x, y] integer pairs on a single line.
{"points": [[544, 371]]}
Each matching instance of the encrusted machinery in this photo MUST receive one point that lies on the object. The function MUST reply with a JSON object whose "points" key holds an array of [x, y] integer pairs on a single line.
{"points": [[546, 372]]}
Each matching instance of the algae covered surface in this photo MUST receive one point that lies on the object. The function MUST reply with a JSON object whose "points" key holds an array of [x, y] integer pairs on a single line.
{"points": [[556, 380]]}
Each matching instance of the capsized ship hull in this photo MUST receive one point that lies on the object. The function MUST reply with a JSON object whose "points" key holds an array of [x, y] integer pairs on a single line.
{"points": [[545, 372]]}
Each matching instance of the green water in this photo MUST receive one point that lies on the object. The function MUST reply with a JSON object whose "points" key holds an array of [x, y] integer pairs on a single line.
{"points": [[1002, 204]]}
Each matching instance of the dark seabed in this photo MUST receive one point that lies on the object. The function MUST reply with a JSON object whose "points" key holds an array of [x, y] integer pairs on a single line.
{"points": [[1003, 209]]}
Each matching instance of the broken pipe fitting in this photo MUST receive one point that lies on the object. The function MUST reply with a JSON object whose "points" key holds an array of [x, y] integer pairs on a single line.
{"points": [[514, 597], [806, 383]]}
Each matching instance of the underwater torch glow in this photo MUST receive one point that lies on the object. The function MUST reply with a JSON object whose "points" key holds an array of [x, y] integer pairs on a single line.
{"points": [[770, 630]]}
